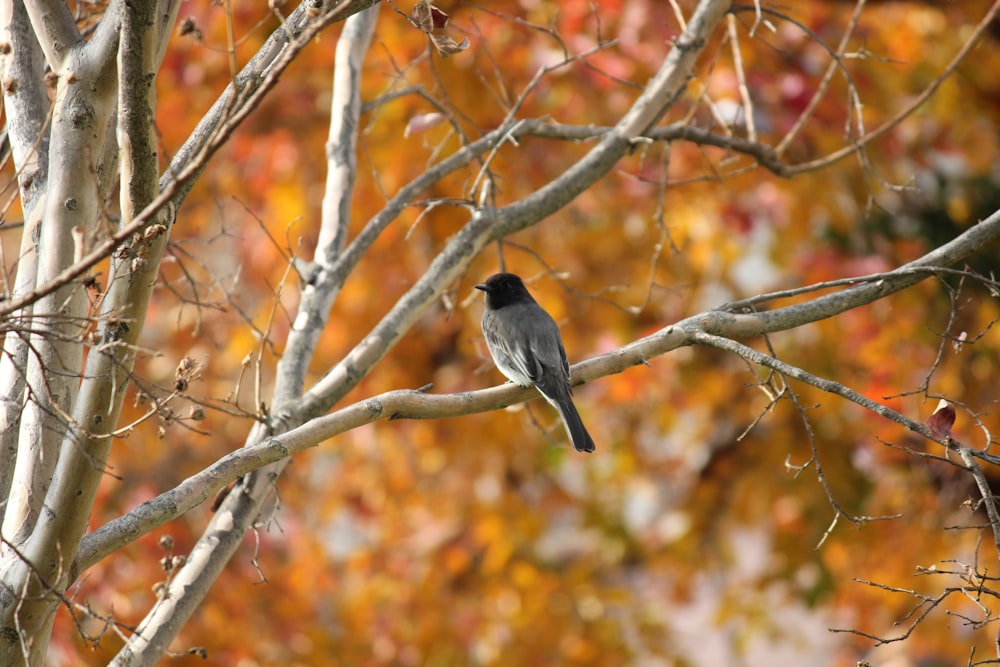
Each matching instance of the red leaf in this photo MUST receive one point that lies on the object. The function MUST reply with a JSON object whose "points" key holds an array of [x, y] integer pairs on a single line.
{"points": [[942, 420], [438, 18]]}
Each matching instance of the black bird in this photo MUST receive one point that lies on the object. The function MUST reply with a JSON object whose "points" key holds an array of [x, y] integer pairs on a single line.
{"points": [[526, 346]]}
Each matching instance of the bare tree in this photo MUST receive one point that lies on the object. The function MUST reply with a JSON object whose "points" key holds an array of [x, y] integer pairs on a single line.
{"points": [[66, 365]]}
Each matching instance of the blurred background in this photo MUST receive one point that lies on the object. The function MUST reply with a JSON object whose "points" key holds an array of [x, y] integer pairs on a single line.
{"points": [[702, 530]]}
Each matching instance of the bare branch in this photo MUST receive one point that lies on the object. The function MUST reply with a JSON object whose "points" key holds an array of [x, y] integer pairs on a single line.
{"points": [[914, 104], [324, 285], [408, 404], [55, 29], [256, 80], [490, 224], [241, 508], [824, 84]]}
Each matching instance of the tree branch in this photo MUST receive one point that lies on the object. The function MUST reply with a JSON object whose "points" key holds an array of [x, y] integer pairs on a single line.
{"points": [[225, 532], [26, 109], [409, 404], [913, 105], [323, 286], [490, 224], [98, 404], [55, 30], [256, 79]]}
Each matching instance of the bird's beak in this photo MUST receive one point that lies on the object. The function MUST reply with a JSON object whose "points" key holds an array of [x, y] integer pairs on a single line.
{"points": [[482, 286]]}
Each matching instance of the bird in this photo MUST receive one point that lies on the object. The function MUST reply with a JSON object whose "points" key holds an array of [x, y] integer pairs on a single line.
{"points": [[526, 347]]}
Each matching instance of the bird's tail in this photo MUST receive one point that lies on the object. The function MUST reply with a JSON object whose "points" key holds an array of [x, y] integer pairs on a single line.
{"points": [[574, 425]]}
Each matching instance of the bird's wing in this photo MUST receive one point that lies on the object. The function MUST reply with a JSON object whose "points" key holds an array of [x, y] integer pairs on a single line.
{"points": [[552, 366]]}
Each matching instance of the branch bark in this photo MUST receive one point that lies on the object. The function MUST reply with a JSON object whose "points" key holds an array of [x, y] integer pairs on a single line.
{"points": [[82, 109], [26, 108]]}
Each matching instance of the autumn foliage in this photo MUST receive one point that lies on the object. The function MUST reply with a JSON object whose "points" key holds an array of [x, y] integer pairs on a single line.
{"points": [[730, 515]]}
